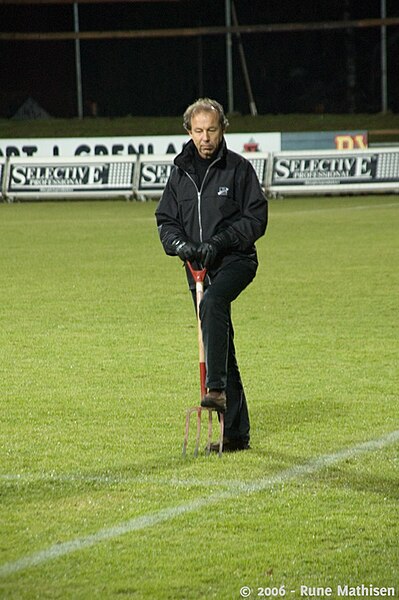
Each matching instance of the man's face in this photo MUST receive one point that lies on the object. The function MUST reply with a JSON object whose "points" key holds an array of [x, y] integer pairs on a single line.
{"points": [[206, 132]]}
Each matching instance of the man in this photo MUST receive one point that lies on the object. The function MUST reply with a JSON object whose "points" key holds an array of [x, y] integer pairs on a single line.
{"points": [[211, 212]]}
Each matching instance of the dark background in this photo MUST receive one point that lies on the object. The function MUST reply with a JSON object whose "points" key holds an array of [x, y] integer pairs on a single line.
{"points": [[331, 71]]}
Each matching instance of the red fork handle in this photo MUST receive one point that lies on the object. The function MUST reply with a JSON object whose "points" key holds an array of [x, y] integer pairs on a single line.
{"points": [[199, 276]]}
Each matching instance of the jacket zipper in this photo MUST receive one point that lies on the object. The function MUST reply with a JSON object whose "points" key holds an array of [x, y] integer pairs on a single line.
{"points": [[198, 202], [199, 192]]}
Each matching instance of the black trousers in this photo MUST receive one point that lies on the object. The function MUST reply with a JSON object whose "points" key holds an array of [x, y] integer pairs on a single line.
{"points": [[218, 335]]}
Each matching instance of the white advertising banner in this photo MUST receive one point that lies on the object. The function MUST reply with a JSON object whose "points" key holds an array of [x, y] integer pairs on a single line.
{"points": [[334, 171], [259, 161], [153, 172], [144, 177], [2, 176], [76, 177], [129, 145]]}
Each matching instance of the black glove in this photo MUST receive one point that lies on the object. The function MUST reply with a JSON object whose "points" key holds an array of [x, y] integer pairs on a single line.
{"points": [[185, 249], [206, 254], [209, 250]]}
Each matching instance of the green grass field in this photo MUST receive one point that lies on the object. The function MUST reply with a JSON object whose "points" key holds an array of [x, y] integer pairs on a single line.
{"points": [[98, 363]]}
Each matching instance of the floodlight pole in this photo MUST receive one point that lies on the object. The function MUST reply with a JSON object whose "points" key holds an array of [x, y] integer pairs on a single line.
{"points": [[252, 105], [77, 62], [229, 60], [384, 85]]}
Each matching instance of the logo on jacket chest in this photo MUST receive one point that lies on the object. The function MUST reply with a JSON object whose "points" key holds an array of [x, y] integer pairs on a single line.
{"points": [[223, 191]]}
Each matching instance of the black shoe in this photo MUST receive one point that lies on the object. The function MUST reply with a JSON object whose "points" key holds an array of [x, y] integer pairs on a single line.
{"points": [[215, 399], [231, 445]]}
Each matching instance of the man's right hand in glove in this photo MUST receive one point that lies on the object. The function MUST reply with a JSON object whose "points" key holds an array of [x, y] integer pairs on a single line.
{"points": [[219, 243], [185, 249], [207, 253]]}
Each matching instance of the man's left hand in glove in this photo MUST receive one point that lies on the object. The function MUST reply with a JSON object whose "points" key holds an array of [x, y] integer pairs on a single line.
{"points": [[185, 249]]}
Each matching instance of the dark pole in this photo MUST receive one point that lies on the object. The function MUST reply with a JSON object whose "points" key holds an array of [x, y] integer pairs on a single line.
{"points": [[77, 62], [252, 105]]}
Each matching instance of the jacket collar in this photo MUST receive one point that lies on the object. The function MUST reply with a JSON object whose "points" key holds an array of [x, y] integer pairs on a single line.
{"points": [[185, 160]]}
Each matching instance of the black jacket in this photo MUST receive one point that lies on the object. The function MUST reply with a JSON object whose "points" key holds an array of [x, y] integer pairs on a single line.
{"points": [[230, 198]]}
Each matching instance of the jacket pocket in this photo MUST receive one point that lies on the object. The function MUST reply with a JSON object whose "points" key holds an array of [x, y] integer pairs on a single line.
{"points": [[218, 212]]}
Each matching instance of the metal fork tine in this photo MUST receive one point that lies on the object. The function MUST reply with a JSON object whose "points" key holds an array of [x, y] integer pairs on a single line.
{"points": [[198, 436], [186, 430], [209, 442], [221, 423], [198, 410]]}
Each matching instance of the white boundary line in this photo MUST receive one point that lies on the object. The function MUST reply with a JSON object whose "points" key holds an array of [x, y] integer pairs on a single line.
{"points": [[330, 208], [161, 516], [78, 478]]}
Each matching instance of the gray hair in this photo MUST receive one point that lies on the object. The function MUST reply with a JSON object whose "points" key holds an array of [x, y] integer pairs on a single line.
{"points": [[204, 105]]}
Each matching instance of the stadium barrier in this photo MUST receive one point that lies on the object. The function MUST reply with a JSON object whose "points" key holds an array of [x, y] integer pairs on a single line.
{"points": [[322, 172], [151, 175], [334, 172], [89, 177], [2, 177]]}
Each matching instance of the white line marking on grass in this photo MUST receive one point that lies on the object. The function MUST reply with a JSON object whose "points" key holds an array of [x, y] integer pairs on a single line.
{"points": [[382, 205], [78, 478], [161, 516], [338, 209]]}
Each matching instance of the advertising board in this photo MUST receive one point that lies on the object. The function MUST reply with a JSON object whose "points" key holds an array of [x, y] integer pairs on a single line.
{"points": [[58, 178], [129, 145], [280, 174], [2, 176], [259, 161], [152, 175], [172, 144], [324, 140], [315, 172], [153, 172]]}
